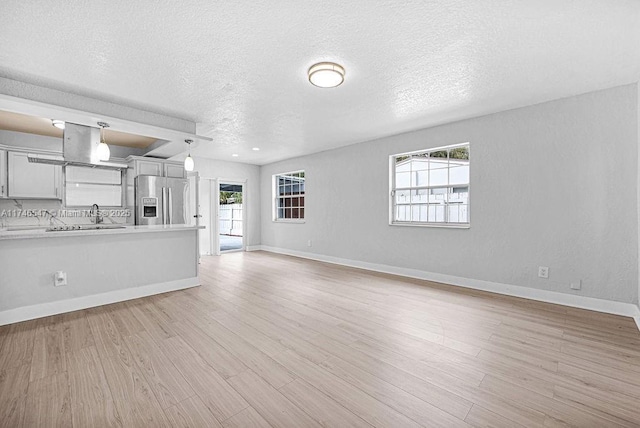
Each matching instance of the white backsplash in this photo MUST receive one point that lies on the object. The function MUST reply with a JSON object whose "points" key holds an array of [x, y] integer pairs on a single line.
{"points": [[44, 212]]}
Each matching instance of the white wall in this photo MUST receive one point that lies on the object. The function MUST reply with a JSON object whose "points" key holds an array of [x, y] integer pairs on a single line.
{"points": [[575, 160], [210, 169]]}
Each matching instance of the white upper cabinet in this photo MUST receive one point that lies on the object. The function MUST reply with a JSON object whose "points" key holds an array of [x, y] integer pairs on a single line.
{"points": [[158, 167], [32, 180], [147, 167], [175, 170], [3, 174]]}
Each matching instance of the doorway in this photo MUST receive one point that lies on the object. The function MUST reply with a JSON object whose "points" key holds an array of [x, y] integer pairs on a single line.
{"points": [[230, 217]]}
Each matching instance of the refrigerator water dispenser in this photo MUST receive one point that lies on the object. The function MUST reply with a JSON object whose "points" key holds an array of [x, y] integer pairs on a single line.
{"points": [[149, 207]]}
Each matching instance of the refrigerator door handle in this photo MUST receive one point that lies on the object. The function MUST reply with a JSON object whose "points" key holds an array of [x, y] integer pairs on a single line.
{"points": [[164, 205], [170, 210]]}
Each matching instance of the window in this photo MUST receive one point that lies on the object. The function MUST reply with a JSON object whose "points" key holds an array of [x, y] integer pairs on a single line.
{"points": [[431, 187], [87, 186], [288, 191]]}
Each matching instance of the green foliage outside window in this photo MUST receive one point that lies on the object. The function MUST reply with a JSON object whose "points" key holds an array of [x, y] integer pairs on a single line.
{"points": [[230, 198]]}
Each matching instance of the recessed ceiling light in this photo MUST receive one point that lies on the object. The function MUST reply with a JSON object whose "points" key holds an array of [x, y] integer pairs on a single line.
{"points": [[255, 149], [326, 74], [58, 123], [235, 155]]}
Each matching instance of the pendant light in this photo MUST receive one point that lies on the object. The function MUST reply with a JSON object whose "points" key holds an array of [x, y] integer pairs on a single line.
{"points": [[188, 161], [103, 149]]}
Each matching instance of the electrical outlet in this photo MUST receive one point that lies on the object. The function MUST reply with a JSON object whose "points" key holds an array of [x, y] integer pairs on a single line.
{"points": [[576, 285], [309, 243], [543, 272], [59, 278]]}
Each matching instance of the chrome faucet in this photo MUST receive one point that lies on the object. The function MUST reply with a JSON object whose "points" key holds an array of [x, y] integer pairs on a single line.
{"points": [[95, 213]]}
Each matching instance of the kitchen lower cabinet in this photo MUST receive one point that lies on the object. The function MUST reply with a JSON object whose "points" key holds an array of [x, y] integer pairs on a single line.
{"points": [[32, 180]]}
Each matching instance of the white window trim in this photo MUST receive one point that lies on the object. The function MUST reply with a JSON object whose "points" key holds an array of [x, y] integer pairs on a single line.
{"points": [[289, 220], [274, 200], [392, 189], [122, 185]]}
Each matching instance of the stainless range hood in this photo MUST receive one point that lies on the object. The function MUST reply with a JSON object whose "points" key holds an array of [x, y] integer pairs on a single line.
{"points": [[79, 148]]}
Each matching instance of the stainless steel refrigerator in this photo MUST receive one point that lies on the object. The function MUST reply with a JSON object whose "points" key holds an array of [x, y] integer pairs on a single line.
{"points": [[161, 200]]}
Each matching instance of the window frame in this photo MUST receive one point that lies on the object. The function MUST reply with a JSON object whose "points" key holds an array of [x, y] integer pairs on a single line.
{"points": [[275, 197], [122, 185], [393, 190]]}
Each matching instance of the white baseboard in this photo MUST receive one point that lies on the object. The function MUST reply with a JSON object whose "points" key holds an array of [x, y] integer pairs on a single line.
{"points": [[599, 305], [253, 248], [69, 305]]}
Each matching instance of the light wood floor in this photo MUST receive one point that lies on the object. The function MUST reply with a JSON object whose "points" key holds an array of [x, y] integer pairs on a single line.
{"points": [[270, 340]]}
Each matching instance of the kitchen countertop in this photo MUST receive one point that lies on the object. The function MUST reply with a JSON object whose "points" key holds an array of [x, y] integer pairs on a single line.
{"points": [[41, 232]]}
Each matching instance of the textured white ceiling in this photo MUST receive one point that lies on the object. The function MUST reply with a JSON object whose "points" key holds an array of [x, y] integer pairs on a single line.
{"points": [[239, 68]]}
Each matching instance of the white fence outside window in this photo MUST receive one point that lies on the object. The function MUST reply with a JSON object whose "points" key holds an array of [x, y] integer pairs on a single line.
{"points": [[231, 219]]}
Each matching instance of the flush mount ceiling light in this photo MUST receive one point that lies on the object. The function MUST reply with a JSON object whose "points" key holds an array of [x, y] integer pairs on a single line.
{"points": [[235, 155], [188, 161], [58, 123], [103, 149], [326, 74], [255, 149]]}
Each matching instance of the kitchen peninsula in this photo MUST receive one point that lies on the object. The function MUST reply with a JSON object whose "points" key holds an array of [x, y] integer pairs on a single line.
{"points": [[100, 266], [69, 238]]}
